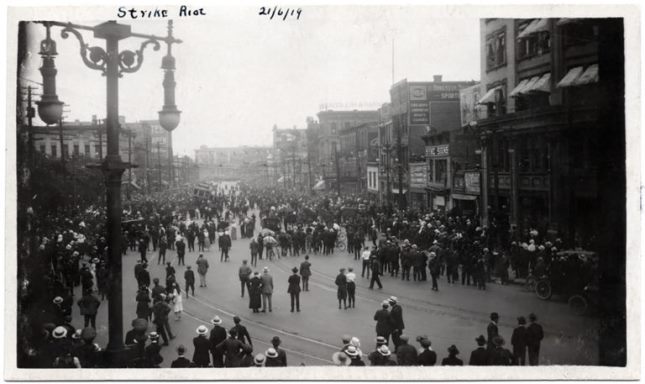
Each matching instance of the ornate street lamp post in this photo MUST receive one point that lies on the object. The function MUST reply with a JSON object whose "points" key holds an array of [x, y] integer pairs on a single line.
{"points": [[113, 64]]}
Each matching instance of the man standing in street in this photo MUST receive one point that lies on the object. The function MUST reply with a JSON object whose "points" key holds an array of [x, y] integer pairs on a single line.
{"points": [[161, 311], [365, 257], [224, 243], [305, 272], [396, 313], [245, 276], [492, 330], [534, 336], [218, 334], [376, 271], [480, 355], [181, 251], [406, 354], [202, 347], [341, 283], [89, 305], [189, 276], [267, 289], [294, 289], [202, 268], [383, 322], [518, 341], [255, 249], [163, 245], [241, 331]]}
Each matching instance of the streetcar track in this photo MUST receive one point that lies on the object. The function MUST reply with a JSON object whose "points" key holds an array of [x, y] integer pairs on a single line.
{"points": [[267, 343], [479, 317], [262, 325]]}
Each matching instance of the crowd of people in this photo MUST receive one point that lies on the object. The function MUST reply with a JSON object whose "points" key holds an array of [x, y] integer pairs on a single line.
{"points": [[71, 251]]}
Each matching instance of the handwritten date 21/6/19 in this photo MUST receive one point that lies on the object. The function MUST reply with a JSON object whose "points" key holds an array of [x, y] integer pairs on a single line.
{"points": [[279, 12]]}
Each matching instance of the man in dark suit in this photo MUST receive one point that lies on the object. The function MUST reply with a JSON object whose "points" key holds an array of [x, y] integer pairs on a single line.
{"points": [[181, 251], [305, 272], [282, 355], [534, 336], [294, 289], [499, 355], [233, 350], [383, 322], [143, 276], [375, 265], [189, 277], [396, 314], [201, 357], [181, 361], [518, 341], [492, 330], [406, 354], [218, 334], [241, 331], [480, 355], [224, 243], [427, 357]]}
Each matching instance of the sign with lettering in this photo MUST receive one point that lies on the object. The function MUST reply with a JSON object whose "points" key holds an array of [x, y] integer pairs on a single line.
{"points": [[438, 150], [470, 110], [419, 112], [418, 93], [472, 183], [418, 175]]}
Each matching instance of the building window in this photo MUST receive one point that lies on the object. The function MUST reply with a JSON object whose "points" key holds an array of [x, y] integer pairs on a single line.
{"points": [[535, 44], [97, 150], [43, 149], [77, 150], [334, 128], [65, 151], [496, 49], [87, 150], [441, 171], [54, 151]]}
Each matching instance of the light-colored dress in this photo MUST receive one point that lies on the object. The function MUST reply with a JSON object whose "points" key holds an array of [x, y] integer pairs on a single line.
{"points": [[178, 301]]}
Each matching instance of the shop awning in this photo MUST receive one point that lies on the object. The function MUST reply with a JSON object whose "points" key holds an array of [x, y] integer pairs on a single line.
{"points": [[537, 25], [543, 84], [516, 91], [320, 185], [489, 97], [396, 191], [570, 77], [459, 196], [589, 76], [529, 86], [565, 21]]}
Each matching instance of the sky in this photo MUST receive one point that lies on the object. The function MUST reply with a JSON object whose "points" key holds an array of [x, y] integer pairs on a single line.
{"points": [[239, 73]]}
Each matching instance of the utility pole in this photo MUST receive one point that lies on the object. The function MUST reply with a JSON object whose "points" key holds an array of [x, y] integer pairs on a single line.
{"points": [[399, 150], [293, 165], [309, 170], [387, 148], [159, 163], [60, 139], [30, 134], [145, 162], [100, 129], [358, 164], [337, 169], [129, 162]]}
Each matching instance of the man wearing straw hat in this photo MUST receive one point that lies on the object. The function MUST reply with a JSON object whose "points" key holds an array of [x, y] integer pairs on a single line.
{"points": [[218, 334], [202, 345]]}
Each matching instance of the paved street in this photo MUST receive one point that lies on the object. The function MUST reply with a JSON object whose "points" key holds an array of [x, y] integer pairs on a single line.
{"points": [[454, 315]]}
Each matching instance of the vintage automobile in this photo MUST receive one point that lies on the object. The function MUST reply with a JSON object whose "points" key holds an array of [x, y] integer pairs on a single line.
{"points": [[570, 275]]}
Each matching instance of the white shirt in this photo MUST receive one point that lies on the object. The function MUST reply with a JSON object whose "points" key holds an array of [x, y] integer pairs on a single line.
{"points": [[366, 254], [351, 276]]}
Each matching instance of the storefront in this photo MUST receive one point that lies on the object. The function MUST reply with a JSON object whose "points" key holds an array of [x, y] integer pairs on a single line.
{"points": [[465, 193], [418, 184]]}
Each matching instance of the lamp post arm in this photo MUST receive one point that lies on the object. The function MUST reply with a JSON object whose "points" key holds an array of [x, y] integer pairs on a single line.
{"points": [[127, 62], [93, 57]]}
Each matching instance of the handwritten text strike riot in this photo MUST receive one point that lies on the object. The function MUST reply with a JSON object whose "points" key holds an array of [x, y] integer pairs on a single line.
{"points": [[136, 13]]}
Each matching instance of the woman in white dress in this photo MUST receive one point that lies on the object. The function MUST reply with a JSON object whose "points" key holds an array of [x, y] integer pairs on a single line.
{"points": [[178, 306]]}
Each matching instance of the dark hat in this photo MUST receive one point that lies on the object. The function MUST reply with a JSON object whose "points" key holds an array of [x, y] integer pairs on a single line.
{"points": [[532, 317], [236, 319], [481, 340], [181, 349], [294, 270], [521, 320], [275, 340], [453, 350], [424, 341], [498, 341], [380, 340], [494, 316]]}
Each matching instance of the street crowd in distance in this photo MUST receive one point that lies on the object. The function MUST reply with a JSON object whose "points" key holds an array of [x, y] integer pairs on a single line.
{"points": [[391, 244]]}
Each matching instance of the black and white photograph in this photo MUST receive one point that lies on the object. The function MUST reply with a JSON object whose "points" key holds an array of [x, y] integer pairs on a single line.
{"points": [[343, 191]]}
